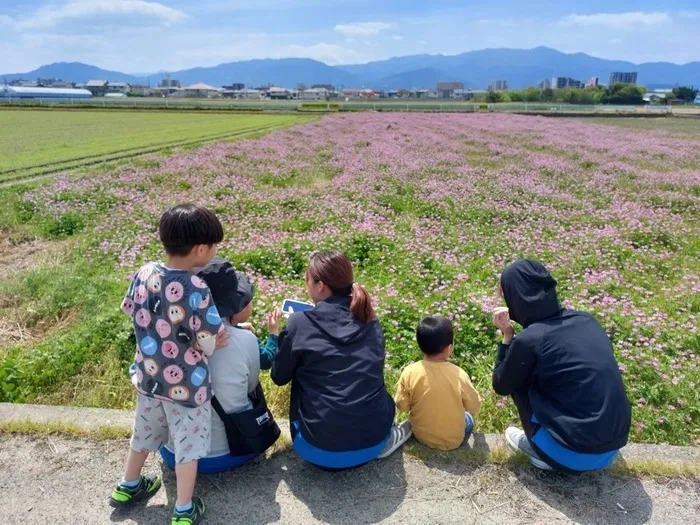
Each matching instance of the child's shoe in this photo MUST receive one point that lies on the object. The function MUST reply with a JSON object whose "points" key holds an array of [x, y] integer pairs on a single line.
{"points": [[126, 497], [192, 517]]}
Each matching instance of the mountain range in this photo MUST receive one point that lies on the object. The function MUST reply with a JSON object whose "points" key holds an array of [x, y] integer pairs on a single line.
{"points": [[520, 67]]}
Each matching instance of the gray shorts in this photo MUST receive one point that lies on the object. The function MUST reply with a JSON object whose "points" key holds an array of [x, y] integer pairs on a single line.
{"points": [[157, 420]]}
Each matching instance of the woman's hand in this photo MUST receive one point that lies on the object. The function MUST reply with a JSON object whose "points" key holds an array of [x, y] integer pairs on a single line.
{"points": [[502, 321], [222, 339], [273, 321]]}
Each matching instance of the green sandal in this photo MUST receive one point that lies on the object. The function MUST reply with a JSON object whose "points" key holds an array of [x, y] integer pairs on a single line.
{"points": [[192, 517], [126, 497]]}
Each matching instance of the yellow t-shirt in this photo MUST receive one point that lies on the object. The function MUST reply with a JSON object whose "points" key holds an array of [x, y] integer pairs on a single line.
{"points": [[437, 395]]}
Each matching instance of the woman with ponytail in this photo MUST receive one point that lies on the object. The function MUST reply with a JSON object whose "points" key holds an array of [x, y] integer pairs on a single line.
{"points": [[340, 413]]}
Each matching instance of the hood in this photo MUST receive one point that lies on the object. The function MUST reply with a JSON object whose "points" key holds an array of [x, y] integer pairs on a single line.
{"points": [[333, 317], [530, 292]]}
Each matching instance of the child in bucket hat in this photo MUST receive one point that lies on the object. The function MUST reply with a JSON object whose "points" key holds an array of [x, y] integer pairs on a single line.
{"points": [[233, 293]]}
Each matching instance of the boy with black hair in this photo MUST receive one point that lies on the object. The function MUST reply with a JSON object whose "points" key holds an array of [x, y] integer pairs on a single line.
{"points": [[177, 326], [438, 395]]}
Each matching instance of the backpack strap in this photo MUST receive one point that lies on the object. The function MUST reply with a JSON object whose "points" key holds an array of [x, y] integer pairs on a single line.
{"points": [[218, 408]]}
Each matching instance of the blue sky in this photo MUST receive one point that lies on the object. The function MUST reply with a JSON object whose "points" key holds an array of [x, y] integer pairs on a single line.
{"points": [[149, 36]]}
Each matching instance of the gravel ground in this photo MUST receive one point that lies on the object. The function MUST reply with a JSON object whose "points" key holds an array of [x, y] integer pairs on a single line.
{"points": [[68, 480]]}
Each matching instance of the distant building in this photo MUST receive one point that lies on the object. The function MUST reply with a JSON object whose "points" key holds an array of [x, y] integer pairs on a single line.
{"points": [[697, 100], [498, 85], [200, 90], [314, 94], [327, 87], [359, 93], [565, 82], [250, 94], [98, 88], [592, 82], [654, 98], [118, 87], [141, 90], [169, 83], [463, 94], [42, 92], [278, 93], [545, 84], [445, 89], [54, 83], [622, 78], [236, 86]]}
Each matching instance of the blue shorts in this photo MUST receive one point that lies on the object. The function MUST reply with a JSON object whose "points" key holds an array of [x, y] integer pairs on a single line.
{"points": [[209, 465]]}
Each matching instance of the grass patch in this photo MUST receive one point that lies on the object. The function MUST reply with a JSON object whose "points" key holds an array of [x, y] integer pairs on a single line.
{"points": [[61, 428], [654, 468]]}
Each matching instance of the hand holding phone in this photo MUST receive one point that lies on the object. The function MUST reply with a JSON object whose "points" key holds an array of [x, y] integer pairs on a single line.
{"points": [[291, 306]]}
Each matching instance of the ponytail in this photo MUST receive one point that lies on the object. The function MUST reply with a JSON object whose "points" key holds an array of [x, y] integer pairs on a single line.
{"points": [[361, 305], [335, 269]]}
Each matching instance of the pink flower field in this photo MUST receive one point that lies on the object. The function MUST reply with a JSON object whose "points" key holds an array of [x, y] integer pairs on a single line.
{"points": [[430, 207]]}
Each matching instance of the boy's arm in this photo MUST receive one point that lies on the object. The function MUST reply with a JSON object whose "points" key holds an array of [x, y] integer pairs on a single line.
{"points": [[403, 394], [268, 350], [471, 400], [211, 323], [128, 305]]}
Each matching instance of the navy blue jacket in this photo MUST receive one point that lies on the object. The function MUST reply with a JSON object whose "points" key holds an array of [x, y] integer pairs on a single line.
{"points": [[565, 360], [336, 365]]}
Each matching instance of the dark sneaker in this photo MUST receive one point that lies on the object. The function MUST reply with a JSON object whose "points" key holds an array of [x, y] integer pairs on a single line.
{"points": [[126, 497], [192, 517]]}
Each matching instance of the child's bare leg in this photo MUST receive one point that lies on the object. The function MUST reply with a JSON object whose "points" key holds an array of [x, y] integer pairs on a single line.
{"points": [[134, 464], [186, 474]]}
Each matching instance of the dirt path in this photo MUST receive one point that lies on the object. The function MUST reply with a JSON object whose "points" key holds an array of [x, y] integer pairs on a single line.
{"points": [[62, 480]]}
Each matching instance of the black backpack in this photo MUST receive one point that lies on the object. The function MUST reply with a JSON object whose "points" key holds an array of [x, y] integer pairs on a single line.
{"points": [[252, 431]]}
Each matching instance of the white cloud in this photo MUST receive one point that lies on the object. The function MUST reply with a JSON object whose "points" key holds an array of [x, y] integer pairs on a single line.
{"points": [[617, 20], [614, 41], [397, 37], [100, 10], [362, 28], [693, 15]]}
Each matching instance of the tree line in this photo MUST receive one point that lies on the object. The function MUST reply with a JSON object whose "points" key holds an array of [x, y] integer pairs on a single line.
{"points": [[622, 94]]}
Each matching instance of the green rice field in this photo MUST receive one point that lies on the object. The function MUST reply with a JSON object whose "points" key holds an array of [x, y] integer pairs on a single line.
{"points": [[38, 142]]}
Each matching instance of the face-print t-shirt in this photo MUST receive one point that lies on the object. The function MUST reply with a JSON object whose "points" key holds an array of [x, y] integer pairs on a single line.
{"points": [[175, 323]]}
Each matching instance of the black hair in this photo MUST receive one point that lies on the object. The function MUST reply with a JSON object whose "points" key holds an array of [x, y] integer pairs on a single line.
{"points": [[185, 226], [434, 334]]}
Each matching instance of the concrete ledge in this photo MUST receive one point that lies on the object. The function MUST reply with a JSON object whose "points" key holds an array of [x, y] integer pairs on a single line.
{"points": [[96, 418], [86, 418]]}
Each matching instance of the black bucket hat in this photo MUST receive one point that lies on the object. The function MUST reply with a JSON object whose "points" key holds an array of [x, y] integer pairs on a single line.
{"points": [[231, 291]]}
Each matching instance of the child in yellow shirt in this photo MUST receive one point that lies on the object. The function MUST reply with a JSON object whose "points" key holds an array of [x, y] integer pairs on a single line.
{"points": [[438, 395]]}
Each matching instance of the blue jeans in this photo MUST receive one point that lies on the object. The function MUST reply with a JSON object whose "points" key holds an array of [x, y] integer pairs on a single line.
{"points": [[470, 423]]}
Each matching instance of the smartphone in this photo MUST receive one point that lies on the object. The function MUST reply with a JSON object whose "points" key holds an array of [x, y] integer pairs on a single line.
{"points": [[290, 306]]}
